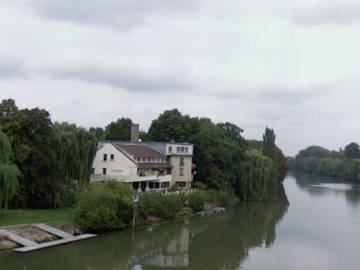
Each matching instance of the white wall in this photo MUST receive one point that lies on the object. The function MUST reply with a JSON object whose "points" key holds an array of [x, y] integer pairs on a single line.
{"points": [[175, 146], [120, 166]]}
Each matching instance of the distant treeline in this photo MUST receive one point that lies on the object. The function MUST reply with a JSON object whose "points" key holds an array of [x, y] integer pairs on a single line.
{"points": [[344, 164], [45, 164]]}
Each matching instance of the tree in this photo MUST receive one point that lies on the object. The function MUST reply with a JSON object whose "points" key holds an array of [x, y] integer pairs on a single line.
{"points": [[352, 150], [119, 130], [98, 132], [269, 149], [9, 173], [232, 131], [172, 125]]}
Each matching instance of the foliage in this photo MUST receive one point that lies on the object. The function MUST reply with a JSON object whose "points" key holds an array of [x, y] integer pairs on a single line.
{"points": [[256, 173], [9, 173], [53, 159], [198, 185], [339, 164], [352, 150], [197, 200], [159, 205], [119, 130], [105, 207], [221, 198], [269, 149], [98, 132]]}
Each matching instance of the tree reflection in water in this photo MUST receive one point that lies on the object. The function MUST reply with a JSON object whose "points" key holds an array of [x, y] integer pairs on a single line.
{"points": [[217, 242]]}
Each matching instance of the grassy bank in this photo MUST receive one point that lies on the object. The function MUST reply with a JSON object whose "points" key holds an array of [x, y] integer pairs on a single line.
{"points": [[27, 216]]}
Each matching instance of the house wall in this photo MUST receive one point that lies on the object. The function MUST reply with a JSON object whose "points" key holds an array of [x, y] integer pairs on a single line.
{"points": [[175, 162], [120, 166]]}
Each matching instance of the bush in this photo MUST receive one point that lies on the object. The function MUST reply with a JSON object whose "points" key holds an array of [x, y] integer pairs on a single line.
{"points": [[198, 185], [197, 200], [157, 204], [221, 198], [105, 207]]}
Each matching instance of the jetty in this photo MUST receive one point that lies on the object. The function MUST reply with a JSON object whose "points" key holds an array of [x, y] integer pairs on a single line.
{"points": [[29, 245]]}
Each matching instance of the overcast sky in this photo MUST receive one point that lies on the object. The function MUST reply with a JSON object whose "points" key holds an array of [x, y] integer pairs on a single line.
{"points": [[290, 65]]}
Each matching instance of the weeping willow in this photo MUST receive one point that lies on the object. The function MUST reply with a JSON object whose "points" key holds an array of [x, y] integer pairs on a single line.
{"points": [[255, 173], [75, 150], [9, 173]]}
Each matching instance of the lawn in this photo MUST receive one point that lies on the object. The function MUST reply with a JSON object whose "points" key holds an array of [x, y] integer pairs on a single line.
{"points": [[27, 216]]}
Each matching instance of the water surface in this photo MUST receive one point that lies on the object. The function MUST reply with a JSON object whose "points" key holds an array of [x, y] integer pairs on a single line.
{"points": [[320, 229]]}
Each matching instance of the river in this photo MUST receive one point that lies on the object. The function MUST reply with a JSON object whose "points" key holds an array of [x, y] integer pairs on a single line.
{"points": [[318, 230]]}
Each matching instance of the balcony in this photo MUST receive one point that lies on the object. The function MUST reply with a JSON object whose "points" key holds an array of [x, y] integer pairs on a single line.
{"points": [[131, 178]]}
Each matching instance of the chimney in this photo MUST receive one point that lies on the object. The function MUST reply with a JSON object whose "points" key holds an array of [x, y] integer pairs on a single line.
{"points": [[134, 132]]}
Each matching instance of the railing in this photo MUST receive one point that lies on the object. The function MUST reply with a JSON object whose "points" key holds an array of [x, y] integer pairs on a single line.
{"points": [[132, 178]]}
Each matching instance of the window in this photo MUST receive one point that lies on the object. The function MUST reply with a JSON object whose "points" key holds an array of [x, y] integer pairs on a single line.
{"points": [[143, 159], [182, 149], [186, 149], [181, 161], [105, 157], [165, 184], [181, 172], [178, 149], [170, 149], [104, 171], [148, 159], [181, 184], [112, 156], [93, 170]]}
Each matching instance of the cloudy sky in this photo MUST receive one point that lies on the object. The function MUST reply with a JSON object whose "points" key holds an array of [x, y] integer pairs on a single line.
{"points": [[291, 65]]}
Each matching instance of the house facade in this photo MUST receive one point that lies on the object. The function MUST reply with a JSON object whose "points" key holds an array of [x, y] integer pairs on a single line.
{"points": [[146, 165]]}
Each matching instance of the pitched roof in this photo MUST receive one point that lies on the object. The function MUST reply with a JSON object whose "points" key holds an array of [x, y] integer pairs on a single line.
{"points": [[139, 150]]}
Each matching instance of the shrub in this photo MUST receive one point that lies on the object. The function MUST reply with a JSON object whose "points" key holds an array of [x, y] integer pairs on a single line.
{"points": [[198, 185], [197, 200], [171, 206], [222, 198], [105, 207], [157, 204]]}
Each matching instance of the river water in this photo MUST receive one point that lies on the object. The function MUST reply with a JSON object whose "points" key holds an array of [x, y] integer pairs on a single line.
{"points": [[318, 230]]}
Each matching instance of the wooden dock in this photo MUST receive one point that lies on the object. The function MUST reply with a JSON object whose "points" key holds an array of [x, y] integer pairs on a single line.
{"points": [[28, 245]]}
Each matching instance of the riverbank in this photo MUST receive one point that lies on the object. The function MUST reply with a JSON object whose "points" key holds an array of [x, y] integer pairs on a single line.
{"points": [[29, 216]]}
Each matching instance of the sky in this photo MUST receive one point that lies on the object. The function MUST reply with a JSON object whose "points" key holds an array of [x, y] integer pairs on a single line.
{"points": [[289, 65]]}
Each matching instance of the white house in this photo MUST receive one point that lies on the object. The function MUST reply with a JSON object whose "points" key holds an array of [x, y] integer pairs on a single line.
{"points": [[146, 166]]}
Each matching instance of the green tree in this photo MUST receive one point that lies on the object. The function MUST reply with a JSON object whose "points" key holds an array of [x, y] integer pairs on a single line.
{"points": [[269, 149], [352, 150], [9, 173], [171, 125], [98, 132], [119, 130]]}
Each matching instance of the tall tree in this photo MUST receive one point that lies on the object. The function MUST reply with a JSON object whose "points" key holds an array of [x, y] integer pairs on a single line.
{"points": [[119, 130], [9, 173], [269, 149]]}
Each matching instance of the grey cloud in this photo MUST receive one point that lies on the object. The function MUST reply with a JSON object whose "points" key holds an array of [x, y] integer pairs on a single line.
{"points": [[11, 69], [121, 13], [341, 13], [125, 80]]}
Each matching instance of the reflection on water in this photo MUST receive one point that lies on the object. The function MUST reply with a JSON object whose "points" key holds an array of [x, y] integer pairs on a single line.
{"points": [[217, 242], [317, 185]]}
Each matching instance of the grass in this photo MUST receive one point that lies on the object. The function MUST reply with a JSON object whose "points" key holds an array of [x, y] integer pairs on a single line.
{"points": [[27, 216]]}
